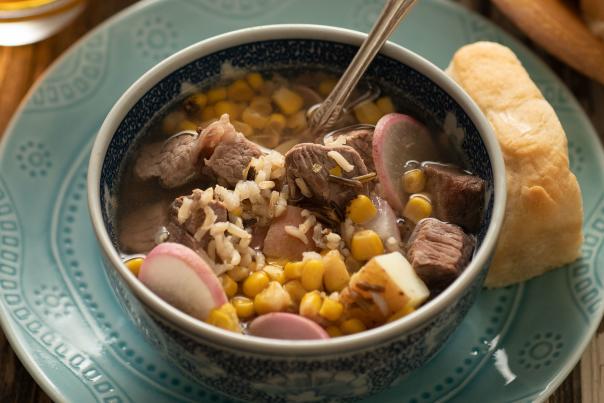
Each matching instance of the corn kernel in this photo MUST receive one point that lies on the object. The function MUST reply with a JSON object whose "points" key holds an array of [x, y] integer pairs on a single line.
{"points": [[134, 265], [366, 244], [401, 313], [295, 290], [262, 105], [297, 121], [229, 107], [238, 273], [187, 125], [225, 317], [414, 181], [336, 171], [243, 128], [172, 121], [196, 102], [255, 80], [254, 119], [326, 86], [293, 270], [288, 101], [236, 211], [229, 286], [208, 113], [272, 299], [240, 91], [310, 305], [333, 331], [367, 112], [216, 94], [331, 310], [275, 273], [243, 306], [352, 326], [255, 283], [276, 122], [336, 276], [361, 209], [385, 105], [417, 207], [312, 274]]}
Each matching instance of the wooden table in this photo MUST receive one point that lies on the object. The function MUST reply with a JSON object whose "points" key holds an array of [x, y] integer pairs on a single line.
{"points": [[20, 66]]}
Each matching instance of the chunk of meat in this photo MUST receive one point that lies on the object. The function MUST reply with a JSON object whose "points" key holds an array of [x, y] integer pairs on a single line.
{"points": [[138, 229], [174, 162], [308, 166], [457, 197], [230, 160], [361, 140], [279, 244], [438, 252]]}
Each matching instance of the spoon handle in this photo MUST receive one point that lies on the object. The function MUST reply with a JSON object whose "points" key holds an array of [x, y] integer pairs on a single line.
{"points": [[328, 112]]}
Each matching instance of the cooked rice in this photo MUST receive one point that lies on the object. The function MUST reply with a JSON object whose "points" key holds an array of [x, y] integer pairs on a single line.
{"points": [[340, 160], [311, 255], [296, 233], [303, 187], [184, 212]]}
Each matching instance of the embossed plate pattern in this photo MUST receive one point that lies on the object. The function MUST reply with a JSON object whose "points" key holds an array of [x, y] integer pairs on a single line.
{"points": [[62, 318]]}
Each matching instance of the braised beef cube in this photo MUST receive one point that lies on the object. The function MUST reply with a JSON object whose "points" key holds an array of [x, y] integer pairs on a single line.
{"points": [[438, 252], [457, 197], [362, 141], [230, 159], [184, 232], [308, 169]]}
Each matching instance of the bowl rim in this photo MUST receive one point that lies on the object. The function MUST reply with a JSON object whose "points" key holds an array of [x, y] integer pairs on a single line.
{"points": [[363, 340]]}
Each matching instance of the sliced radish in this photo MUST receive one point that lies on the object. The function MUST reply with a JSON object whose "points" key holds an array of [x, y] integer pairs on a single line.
{"points": [[183, 279], [286, 326], [397, 139]]}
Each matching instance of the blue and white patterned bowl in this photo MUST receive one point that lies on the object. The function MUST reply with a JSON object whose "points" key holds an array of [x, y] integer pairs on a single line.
{"points": [[259, 369]]}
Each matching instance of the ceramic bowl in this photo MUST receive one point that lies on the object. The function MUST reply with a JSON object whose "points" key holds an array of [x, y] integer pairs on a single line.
{"points": [[260, 369]]}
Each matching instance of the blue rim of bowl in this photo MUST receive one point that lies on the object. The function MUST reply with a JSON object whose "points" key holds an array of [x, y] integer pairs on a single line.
{"points": [[297, 347]]}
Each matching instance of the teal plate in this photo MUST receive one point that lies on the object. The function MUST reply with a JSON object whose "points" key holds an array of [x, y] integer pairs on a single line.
{"points": [[61, 316]]}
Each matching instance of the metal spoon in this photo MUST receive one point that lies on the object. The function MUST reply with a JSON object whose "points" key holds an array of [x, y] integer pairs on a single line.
{"points": [[326, 114]]}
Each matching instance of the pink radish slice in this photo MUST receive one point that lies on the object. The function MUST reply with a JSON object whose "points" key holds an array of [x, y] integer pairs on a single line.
{"points": [[384, 222], [183, 279], [397, 139], [286, 326]]}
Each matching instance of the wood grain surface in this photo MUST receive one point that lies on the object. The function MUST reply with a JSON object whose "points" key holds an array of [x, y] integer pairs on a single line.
{"points": [[20, 66]]}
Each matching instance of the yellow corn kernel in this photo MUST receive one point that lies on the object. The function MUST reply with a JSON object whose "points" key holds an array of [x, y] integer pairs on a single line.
{"points": [[254, 118], [417, 207], [240, 91], [231, 108], [172, 121], [272, 299], [365, 245], [414, 181], [243, 128], [262, 105], [367, 112], [255, 80], [275, 273], [331, 309], [352, 326], [385, 105], [402, 312], [134, 265], [288, 101], [187, 125], [208, 113], [361, 209], [276, 122], [297, 121], [255, 283], [238, 273], [293, 270], [217, 94], [243, 306], [326, 86], [310, 305], [295, 290], [312, 274], [228, 285], [196, 101], [236, 211], [225, 317], [336, 171], [277, 261], [333, 331], [336, 276]]}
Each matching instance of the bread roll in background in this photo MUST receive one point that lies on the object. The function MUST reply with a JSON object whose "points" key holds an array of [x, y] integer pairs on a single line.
{"points": [[593, 10], [543, 221]]}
